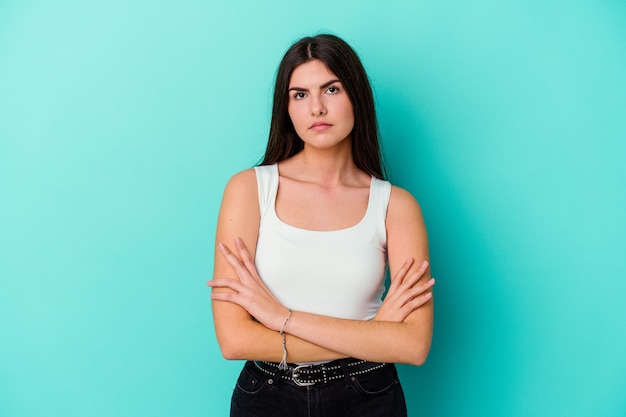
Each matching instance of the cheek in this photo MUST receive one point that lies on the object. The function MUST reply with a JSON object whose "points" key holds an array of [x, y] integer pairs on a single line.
{"points": [[347, 109], [298, 121], [294, 120], [294, 115], [349, 114]]}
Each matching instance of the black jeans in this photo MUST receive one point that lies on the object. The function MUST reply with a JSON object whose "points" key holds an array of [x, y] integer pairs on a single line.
{"points": [[373, 394]]}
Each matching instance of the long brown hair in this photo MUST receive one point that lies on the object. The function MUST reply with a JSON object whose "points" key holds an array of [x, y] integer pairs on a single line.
{"points": [[340, 59]]}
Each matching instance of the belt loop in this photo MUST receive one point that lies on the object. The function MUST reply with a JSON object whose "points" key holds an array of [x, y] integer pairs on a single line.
{"points": [[346, 371], [278, 376]]}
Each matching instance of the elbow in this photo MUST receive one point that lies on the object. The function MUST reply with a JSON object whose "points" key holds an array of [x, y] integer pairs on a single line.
{"points": [[231, 351], [230, 355], [418, 360], [417, 356], [236, 341]]}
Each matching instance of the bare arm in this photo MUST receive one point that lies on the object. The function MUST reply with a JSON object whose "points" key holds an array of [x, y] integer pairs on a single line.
{"points": [[238, 334], [406, 340]]}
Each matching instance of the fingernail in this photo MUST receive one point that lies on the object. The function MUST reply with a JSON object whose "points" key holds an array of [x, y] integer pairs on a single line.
{"points": [[428, 295], [432, 281]]}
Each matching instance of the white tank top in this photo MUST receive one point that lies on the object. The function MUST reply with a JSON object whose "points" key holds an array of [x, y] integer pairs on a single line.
{"points": [[337, 273]]}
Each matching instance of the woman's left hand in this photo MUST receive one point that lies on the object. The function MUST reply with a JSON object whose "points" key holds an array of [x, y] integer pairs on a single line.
{"points": [[249, 292], [407, 293]]}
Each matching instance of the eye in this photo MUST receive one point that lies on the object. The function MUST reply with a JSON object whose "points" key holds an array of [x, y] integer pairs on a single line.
{"points": [[298, 95], [333, 89]]}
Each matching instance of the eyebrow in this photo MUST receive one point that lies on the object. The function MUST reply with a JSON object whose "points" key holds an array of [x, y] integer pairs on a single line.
{"points": [[326, 84]]}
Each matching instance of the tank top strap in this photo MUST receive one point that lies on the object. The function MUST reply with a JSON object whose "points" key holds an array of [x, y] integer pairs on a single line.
{"points": [[379, 201], [267, 184]]}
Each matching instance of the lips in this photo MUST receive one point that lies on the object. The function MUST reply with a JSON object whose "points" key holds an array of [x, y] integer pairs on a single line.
{"points": [[319, 126]]}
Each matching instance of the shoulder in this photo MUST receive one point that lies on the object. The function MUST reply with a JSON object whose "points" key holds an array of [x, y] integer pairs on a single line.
{"points": [[242, 179], [241, 183], [240, 192], [403, 213], [401, 202], [239, 212]]}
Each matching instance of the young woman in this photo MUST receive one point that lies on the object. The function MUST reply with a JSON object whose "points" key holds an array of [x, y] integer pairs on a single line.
{"points": [[303, 242]]}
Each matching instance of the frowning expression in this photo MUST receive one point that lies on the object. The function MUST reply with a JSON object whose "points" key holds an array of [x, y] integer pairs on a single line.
{"points": [[319, 107]]}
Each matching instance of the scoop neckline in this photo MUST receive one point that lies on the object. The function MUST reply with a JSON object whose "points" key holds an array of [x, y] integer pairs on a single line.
{"points": [[301, 229]]}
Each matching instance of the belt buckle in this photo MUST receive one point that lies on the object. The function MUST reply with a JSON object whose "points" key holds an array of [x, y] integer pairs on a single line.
{"points": [[295, 374]]}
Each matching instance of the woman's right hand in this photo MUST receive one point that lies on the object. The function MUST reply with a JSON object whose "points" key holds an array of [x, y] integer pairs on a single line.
{"points": [[406, 293], [250, 292]]}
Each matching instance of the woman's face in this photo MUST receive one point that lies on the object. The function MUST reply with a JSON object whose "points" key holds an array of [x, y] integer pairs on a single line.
{"points": [[319, 107]]}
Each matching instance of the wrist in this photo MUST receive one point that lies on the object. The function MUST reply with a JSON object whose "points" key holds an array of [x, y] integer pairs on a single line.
{"points": [[286, 317], [283, 363]]}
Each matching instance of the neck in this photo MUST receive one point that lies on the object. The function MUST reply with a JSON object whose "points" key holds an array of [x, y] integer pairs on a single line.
{"points": [[327, 166]]}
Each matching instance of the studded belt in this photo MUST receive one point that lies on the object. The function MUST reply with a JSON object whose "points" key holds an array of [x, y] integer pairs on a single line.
{"points": [[308, 375]]}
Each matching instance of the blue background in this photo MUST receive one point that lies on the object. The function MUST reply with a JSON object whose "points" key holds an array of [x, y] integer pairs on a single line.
{"points": [[121, 121]]}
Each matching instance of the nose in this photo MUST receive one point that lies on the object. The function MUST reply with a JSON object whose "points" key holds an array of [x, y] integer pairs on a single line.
{"points": [[317, 107]]}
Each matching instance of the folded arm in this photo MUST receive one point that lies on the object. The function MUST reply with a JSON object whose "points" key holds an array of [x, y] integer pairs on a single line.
{"points": [[401, 331]]}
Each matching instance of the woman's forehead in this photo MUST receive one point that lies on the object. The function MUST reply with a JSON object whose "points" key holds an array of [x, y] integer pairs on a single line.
{"points": [[312, 73]]}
